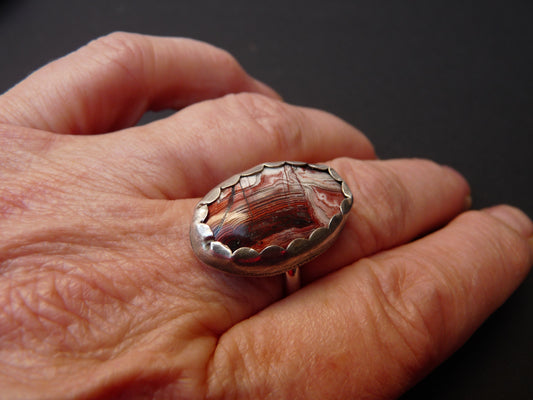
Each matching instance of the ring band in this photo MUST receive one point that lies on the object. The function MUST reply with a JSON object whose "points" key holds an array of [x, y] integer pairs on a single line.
{"points": [[293, 280], [270, 219]]}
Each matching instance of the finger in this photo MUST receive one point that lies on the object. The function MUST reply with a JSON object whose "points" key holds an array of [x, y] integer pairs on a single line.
{"points": [[111, 82], [394, 202], [187, 154], [373, 329]]}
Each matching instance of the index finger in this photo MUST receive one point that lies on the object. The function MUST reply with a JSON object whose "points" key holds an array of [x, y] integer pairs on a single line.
{"points": [[110, 83]]}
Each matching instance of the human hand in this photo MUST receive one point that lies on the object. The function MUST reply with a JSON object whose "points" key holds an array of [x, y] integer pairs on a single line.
{"points": [[101, 295]]}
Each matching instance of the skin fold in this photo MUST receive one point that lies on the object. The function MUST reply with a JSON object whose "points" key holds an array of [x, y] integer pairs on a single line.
{"points": [[101, 295]]}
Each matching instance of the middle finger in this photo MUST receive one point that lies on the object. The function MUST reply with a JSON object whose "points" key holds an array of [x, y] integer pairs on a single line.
{"points": [[394, 202], [188, 153]]}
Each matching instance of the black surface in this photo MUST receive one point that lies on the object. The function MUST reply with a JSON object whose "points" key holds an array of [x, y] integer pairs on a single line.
{"points": [[451, 81]]}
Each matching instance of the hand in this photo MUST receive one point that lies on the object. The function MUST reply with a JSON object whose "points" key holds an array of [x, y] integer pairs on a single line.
{"points": [[101, 296]]}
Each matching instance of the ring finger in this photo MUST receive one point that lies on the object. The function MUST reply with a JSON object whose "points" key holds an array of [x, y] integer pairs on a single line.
{"points": [[394, 202]]}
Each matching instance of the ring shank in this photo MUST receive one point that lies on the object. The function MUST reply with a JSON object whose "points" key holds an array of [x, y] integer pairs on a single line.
{"points": [[292, 281]]}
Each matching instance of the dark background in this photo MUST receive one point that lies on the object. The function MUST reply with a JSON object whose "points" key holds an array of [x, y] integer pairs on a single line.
{"points": [[446, 80]]}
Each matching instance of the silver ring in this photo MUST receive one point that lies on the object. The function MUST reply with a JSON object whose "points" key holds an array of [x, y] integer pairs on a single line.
{"points": [[271, 219]]}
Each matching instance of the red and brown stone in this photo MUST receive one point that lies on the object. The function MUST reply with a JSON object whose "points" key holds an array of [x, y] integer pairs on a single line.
{"points": [[274, 207]]}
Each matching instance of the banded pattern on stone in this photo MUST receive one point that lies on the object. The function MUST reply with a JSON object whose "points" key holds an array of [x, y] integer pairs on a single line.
{"points": [[274, 207]]}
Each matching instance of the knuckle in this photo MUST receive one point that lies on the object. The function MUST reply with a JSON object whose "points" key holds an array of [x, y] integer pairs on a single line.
{"points": [[281, 123], [117, 41], [246, 362], [411, 306], [120, 49], [382, 204]]}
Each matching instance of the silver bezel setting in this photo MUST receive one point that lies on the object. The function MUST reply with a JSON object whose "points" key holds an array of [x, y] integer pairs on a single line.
{"points": [[272, 260]]}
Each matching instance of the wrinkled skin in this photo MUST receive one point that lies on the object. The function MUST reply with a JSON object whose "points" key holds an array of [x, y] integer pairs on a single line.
{"points": [[101, 295]]}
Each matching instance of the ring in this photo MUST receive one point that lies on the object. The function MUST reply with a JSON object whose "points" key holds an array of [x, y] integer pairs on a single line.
{"points": [[271, 219]]}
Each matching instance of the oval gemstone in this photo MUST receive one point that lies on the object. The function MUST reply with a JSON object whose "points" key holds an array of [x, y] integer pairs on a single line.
{"points": [[274, 207], [270, 219]]}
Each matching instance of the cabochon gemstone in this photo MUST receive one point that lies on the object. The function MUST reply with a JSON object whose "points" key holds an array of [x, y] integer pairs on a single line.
{"points": [[271, 218], [274, 207]]}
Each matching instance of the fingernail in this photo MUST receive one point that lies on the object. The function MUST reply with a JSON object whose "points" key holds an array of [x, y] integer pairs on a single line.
{"points": [[514, 218]]}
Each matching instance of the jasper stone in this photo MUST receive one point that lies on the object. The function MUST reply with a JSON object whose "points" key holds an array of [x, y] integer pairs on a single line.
{"points": [[274, 207]]}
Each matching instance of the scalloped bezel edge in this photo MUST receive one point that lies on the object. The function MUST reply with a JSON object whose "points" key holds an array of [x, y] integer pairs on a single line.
{"points": [[249, 262]]}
